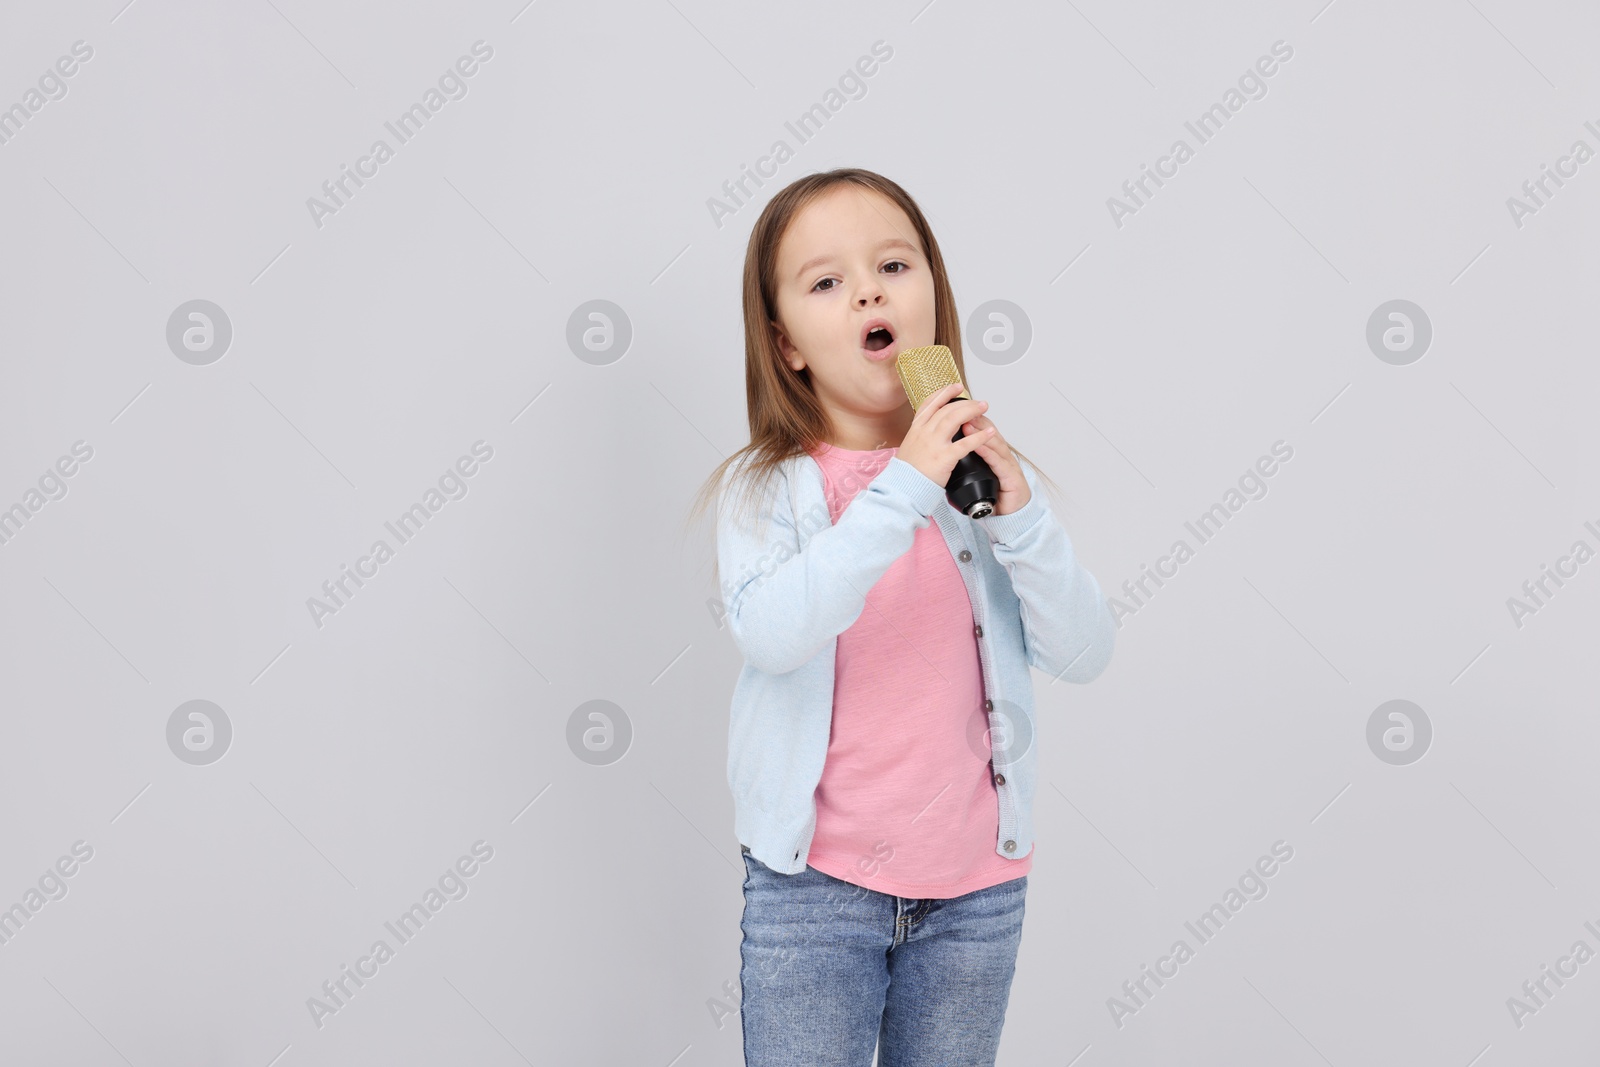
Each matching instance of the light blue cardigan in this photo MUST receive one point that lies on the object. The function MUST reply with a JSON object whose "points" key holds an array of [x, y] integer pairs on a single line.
{"points": [[788, 594]]}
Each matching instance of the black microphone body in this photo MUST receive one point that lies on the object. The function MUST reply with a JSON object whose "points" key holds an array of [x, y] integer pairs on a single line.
{"points": [[972, 488]]}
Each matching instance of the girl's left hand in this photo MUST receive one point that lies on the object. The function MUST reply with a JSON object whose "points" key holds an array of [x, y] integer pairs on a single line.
{"points": [[1014, 490]]}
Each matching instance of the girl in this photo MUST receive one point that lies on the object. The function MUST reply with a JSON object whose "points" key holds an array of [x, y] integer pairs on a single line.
{"points": [[880, 745]]}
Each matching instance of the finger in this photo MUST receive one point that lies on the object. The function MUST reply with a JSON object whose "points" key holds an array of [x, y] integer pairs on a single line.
{"points": [[983, 423], [976, 441], [999, 444], [1001, 462], [944, 396], [936, 401], [955, 414], [1009, 474]]}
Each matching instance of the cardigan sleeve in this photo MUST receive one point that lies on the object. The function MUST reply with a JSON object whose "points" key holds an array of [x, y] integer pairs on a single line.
{"points": [[783, 603], [1067, 626]]}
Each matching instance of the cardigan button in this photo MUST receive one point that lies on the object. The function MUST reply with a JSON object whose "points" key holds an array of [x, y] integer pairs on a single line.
{"points": [[965, 556], [979, 630], [999, 779], [1010, 846], [988, 705]]}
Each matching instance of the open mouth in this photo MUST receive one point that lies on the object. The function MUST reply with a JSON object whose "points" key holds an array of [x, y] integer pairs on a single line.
{"points": [[878, 338]]}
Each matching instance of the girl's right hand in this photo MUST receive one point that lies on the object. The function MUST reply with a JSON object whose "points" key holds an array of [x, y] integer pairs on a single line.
{"points": [[927, 445]]}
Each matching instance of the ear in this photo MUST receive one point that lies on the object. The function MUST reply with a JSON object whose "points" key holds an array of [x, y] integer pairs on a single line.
{"points": [[786, 349]]}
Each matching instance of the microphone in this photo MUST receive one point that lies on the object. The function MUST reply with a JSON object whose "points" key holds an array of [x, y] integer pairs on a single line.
{"points": [[972, 487]]}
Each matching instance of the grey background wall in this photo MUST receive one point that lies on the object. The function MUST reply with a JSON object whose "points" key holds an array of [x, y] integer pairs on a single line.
{"points": [[217, 396]]}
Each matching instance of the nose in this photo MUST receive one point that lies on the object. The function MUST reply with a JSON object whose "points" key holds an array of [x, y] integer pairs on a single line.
{"points": [[869, 289]]}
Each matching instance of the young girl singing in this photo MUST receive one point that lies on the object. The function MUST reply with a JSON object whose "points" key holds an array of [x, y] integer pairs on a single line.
{"points": [[880, 744]]}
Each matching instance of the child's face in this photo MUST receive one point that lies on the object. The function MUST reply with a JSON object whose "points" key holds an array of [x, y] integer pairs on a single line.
{"points": [[874, 269]]}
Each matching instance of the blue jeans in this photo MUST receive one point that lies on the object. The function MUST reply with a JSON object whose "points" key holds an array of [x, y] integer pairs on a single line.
{"points": [[828, 969]]}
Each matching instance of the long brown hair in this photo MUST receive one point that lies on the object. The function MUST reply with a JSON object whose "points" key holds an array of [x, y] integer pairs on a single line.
{"points": [[786, 418]]}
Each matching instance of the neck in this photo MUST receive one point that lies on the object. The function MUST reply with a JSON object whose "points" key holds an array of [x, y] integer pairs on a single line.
{"points": [[858, 434]]}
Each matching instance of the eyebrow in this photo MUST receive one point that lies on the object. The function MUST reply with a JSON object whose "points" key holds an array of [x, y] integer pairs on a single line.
{"points": [[892, 242]]}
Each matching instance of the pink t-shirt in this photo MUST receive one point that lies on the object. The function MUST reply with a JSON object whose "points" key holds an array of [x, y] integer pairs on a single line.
{"points": [[907, 802]]}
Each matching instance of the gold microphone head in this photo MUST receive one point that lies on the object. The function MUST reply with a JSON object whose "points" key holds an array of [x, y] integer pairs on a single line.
{"points": [[925, 371]]}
